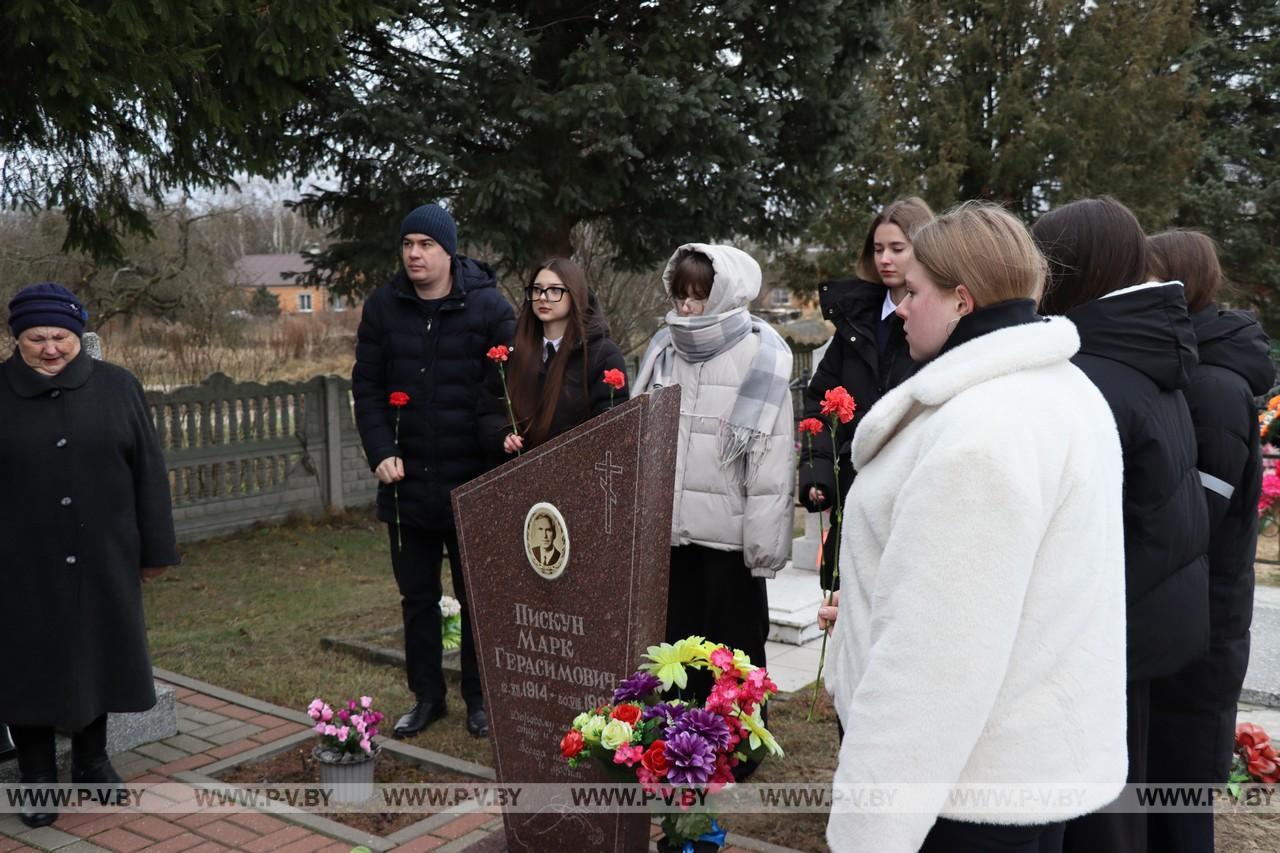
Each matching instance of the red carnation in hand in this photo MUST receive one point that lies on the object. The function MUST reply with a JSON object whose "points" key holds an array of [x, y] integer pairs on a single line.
{"points": [[839, 402], [615, 379], [812, 426], [627, 713], [655, 759], [571, 744], [399, 399], [499, 353]]}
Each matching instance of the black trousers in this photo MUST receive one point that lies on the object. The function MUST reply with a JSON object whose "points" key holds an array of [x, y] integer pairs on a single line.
{"points": [[953, 836], [1119, 832], [712, 594], [416, 563], [37, 754]]}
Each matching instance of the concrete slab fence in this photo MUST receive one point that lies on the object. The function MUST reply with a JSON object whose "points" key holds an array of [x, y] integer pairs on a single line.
{"points": [[244, 452]]}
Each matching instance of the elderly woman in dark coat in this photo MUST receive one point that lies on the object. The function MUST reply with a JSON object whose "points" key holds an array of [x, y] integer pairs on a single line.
{"points": [[84, 516]]}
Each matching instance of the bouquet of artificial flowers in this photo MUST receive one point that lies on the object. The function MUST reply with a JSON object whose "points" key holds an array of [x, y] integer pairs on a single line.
{"points": [[348, 731], [450, 622], [1255, 758], [1268, 425], [676, 747]]}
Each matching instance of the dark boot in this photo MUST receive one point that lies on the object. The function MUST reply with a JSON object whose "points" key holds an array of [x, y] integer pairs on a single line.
{"points": [[89, 761], [7, 750], [37, 763]]}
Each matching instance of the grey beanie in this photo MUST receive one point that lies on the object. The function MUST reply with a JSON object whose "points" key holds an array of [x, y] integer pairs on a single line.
{"points": [[434, 221]]}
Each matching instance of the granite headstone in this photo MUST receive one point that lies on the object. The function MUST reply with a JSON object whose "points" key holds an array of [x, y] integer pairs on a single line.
{"points": [[565, 550]]}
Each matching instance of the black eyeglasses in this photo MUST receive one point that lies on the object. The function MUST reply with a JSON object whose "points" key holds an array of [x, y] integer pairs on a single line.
{"points": [[551, 294]]}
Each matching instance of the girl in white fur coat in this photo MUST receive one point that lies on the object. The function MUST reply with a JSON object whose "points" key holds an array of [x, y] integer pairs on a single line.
{"points": [[980, 638]]}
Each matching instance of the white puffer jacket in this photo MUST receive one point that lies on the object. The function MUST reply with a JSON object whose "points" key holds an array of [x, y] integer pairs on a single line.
{"points": [[714, 507], [981, 630]]}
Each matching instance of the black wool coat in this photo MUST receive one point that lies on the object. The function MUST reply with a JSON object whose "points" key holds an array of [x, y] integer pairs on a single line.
{"points": [[439, 361], [1193, 713], [84, 506], [1139, 349], [854, 361], [573, 407]]}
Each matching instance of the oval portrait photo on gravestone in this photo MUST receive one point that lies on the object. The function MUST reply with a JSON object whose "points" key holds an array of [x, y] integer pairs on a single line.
{"points": [[546, 540]]}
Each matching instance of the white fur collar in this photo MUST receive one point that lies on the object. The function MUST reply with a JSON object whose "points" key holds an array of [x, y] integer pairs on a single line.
{"points": [[992, 355]]}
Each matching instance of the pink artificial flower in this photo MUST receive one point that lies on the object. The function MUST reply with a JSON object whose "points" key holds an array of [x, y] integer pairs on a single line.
{"points": [[719, 703], [313, 710], [628, 755], [358, 722], [366, 701], [754, 688], [343, 733], [723, 774], [344, 715], [330, 730], [365, 745], [722, 659], [326, 713], [319, 728]]}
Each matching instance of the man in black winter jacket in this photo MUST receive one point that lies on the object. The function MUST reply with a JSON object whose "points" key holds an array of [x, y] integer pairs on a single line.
{"points": [[425, 334]]}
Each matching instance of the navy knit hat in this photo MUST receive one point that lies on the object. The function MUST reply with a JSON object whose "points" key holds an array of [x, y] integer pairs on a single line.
{"points": [[46, 304], [434, 221]]}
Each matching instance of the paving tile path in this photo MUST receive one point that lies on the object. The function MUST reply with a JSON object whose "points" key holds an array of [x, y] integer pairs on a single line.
{"points": [[215, 724]]}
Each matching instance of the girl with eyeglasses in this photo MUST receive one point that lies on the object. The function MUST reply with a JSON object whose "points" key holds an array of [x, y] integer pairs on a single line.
{"points": [[555, 375]]}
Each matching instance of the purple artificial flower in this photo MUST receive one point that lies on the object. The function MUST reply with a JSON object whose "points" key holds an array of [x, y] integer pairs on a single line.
{"points": [[692, 759], [669, 712], [708, 724], [636, 687]]}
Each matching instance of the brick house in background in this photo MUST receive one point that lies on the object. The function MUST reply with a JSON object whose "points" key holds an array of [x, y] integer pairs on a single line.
{"points": [[279, 275]]}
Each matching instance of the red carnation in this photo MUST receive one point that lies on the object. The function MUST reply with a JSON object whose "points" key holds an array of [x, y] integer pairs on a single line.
{"points": [[499, 353], [399, 399], [840, 403], [655, 759], [627, 713], [1262, 767], [615, 379], [571, 744], [812, 426], [1251, 735]]}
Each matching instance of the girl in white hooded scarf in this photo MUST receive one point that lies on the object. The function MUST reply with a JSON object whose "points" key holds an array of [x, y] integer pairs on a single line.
{"points": [[735, 463]]}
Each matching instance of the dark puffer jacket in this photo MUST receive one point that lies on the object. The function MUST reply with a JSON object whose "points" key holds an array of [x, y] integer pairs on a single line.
{"points": [[1138, 347], [854, 361], [439, 361], [601, 354], [1193, 713]]}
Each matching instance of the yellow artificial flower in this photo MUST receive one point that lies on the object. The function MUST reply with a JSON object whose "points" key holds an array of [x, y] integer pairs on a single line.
{"points": [[669, 659], [616, 733], [759, 734], [592, 728]]}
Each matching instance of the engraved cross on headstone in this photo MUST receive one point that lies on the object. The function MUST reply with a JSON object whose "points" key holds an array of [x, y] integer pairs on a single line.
{"points": [[607, 469]]}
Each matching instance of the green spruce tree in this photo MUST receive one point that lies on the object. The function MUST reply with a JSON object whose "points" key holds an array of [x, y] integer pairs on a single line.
{"points": [[1234, 190], [657, 123], [106, 106]]}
